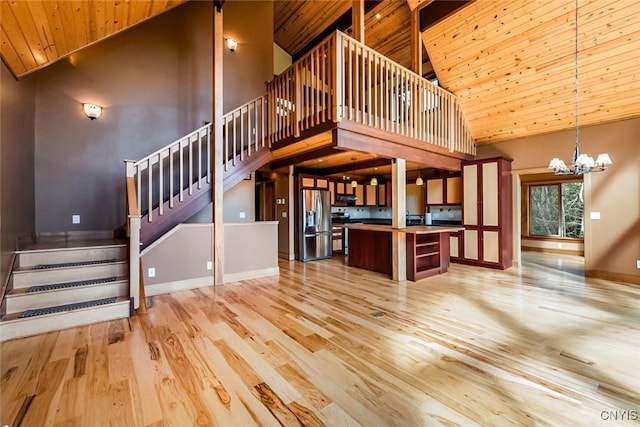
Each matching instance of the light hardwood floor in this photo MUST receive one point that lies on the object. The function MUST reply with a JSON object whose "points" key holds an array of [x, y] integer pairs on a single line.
{"points": [[473, 347]]}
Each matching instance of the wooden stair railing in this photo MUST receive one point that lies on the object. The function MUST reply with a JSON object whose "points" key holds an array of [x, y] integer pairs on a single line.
{"points": [[343, 79], [170, 185]]}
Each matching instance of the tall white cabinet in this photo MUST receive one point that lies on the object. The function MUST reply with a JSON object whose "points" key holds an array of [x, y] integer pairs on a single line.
{"points": [[486, 213]]}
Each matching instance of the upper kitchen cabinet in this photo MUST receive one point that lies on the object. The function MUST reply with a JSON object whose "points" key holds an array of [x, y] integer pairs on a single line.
{"points": [[360, 195], [384, 194], [371, 195], [444, 191], [416, 199], [486, 213], [309, 181]]}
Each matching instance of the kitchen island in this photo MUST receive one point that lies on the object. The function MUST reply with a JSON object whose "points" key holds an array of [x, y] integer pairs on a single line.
{"points": [[370, 248]]}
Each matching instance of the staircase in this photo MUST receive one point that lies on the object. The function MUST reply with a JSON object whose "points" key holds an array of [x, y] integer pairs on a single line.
{"points": [[53, 289]]}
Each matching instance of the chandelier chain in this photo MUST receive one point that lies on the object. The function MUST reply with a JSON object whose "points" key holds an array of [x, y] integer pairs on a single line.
{"points": [[576, 84]]}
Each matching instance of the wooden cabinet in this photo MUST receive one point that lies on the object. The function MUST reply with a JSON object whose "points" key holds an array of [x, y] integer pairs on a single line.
{"points": [[371, 195], [444, 191], [308, 181], [415, 199], [454, 246], [332, 191], [453, 190], [382, 195], [360, 195], [435, 191], [486, 213], [427, 255]]}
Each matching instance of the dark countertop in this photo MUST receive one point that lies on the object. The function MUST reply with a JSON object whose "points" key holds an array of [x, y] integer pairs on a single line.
{"points": [[381, 221]]}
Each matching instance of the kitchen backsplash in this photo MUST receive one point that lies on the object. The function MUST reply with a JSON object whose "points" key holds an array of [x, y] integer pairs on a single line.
{"points": [[438, 212], [446, 212], [364, 212]]}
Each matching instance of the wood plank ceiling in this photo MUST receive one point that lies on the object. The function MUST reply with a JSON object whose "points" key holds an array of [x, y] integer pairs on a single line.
{"points": [[511, 62], [34, 34], [387, 25]]}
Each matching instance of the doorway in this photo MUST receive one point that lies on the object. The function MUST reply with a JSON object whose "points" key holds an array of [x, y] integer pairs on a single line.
{"points": [[550, 220], [266, 201]]}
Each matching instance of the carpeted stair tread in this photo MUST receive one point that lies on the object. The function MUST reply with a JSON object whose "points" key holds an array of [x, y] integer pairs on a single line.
{"points": [[54, 286], [72, 264], [67, 307]]}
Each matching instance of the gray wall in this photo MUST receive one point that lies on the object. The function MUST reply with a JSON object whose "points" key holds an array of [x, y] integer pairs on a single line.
{"points": [[17, 106], [154, 82]]}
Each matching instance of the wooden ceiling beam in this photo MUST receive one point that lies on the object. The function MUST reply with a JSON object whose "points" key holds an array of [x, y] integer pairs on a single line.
{"points": [[350, 167], [418, 4], [303, 157]]}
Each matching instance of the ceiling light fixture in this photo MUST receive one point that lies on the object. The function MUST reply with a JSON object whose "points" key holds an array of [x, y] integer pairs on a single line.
{"points": [[374, 180], [419, 180], [581, 163], [354, 183]]}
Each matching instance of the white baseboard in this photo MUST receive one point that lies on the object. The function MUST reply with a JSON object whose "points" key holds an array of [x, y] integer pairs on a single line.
{"points": [[253, 274], [179, 285]]}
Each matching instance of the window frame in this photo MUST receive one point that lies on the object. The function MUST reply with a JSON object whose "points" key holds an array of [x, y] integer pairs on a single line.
{"points": [[559, 235]]}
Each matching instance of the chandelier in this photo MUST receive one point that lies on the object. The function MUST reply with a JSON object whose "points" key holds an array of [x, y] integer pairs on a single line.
{"points": [[581, 163]]}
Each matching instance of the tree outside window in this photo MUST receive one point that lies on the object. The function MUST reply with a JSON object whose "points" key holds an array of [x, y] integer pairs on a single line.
{"points": [[556, 210]]}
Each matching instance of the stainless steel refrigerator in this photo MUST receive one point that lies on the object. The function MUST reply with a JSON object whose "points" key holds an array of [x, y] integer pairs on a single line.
{"points": [[316, 225]]}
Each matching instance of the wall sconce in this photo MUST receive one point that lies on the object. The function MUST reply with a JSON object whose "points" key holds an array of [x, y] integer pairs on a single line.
{"points": [[92, 111], [232, 44]]}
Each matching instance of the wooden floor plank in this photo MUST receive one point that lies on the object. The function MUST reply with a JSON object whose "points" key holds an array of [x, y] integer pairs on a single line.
{"points": [[535, 345]]}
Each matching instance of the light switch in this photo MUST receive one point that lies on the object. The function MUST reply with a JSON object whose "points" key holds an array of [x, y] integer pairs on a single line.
{"points": [[242, 215], [284, 214], [151, 272], [75, 219], [595, 215]]}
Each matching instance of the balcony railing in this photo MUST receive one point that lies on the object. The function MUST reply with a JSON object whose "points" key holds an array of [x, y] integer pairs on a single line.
{"points": [[342, 79]]}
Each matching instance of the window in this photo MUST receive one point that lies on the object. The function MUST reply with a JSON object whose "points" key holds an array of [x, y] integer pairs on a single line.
{"points": [[556, 210]]}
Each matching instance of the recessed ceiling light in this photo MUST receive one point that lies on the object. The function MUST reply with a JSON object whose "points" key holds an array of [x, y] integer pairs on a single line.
{"points": [[378, 16], [320, 160]]}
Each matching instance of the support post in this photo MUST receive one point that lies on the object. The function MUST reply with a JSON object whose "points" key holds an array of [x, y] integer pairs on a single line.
{"points": [[357, 17], [416, 43], [399, 219], [291, 215], [217, 187]]}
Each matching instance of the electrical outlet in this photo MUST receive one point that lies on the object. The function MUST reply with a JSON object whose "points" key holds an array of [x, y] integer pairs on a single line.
{"points": [[284, 214], [151, 272], [242, 215], [75, 219], [638, 263], [209, 265]]}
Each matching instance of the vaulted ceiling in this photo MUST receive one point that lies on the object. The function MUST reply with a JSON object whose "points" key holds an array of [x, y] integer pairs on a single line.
{"points": [[512, 64], [33, 34]]}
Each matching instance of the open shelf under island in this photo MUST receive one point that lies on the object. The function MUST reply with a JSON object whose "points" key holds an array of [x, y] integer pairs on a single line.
{"points": [[370, 248]]}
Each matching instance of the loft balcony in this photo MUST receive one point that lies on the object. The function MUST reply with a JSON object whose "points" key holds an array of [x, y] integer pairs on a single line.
{"points": [[346, 96]]}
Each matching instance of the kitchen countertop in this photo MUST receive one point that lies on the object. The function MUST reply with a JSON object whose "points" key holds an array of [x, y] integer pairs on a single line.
{"points": [[416, 229]]}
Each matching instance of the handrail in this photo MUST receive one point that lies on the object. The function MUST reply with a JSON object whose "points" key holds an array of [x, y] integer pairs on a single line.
{"points": [[343, 79], [167, 174], [244, 130]]}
